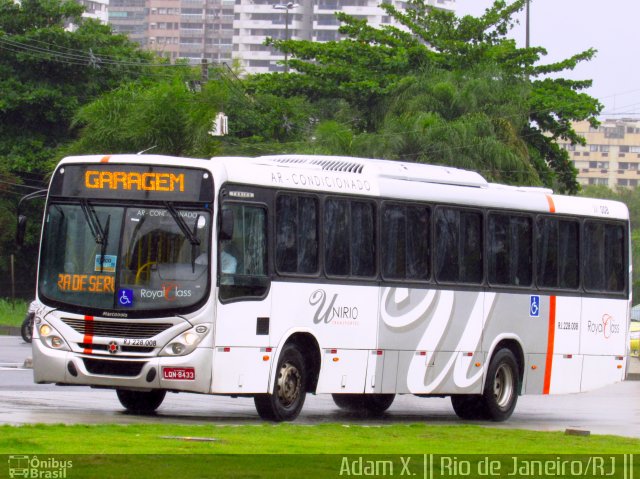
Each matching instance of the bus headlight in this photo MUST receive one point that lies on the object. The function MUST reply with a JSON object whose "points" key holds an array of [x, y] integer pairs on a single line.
{"points": [[185, 343], [52, 338]]}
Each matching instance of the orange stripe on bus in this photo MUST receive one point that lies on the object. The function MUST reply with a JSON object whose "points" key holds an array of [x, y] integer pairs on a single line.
{"points": [[105, 159], [552, 205], [88, 334], [550, 342]]}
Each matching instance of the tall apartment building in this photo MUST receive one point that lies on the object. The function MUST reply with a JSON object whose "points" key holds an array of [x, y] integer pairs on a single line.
{"points": [[611, 156], [178, 29], [222, 30], [130, 18], [315, 20]]}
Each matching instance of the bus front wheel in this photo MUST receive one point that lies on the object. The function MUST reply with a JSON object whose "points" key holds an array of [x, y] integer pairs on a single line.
{"points": [[289, 390], [141, 402], [371, 403]]}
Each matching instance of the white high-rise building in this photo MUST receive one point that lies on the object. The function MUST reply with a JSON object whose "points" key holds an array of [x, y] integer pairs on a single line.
{"points": [[255, 20], [222, 30], [96, 9]]}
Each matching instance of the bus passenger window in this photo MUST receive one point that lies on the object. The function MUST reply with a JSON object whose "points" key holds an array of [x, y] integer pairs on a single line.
{"points": [[363, 257], [336, 232], [604, 257], [405, 242], [509, 246], [558, 249], [458, 246], [349, 231], [296, 234]]}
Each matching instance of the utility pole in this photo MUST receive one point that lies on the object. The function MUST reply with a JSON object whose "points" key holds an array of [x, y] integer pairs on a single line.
{"points": [[204, 76], [286, 7], [527, 25], [13, 280]]}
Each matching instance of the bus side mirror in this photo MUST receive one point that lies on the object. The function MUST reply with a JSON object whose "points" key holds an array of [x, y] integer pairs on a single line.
{"points": [[21, 228], [226, 225]]}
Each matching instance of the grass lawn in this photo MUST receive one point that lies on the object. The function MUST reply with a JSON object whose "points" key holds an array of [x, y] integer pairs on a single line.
{"points": [[300, 439], [12, 312], [290, 450]]}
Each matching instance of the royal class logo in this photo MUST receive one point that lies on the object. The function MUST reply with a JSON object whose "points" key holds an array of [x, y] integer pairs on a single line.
{"points": [[167, 291], [607, 326], [331, 312]]}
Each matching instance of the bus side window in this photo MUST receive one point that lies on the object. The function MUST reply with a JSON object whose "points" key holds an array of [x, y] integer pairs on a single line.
{"points": [[458, 246], [406, 242], [558, 253], [296, 234], [349, 229], [604, 257], [509, 246]]}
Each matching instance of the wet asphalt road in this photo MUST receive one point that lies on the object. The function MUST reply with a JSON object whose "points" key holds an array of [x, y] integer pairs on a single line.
{"points": [[611, 410]]}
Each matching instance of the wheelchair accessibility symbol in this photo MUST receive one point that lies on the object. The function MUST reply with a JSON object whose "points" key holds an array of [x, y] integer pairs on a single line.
{"points": [[125, 297], [534, 307]]}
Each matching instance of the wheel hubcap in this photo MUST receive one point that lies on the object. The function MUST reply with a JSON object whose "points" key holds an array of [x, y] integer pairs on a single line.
{"points": [[289, 384], [503, 386]]}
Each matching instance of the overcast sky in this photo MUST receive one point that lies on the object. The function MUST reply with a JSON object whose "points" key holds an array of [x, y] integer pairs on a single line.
{"points": [[567, 27]]}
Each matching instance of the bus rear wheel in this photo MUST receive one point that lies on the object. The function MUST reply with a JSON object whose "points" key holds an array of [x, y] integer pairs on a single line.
{"points": [[370, 403], [502, 386], [500, 394], [141, 402], [289, 390]]}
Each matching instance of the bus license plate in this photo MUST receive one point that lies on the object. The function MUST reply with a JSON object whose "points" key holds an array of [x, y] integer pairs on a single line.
{"points": [[180, 374]]}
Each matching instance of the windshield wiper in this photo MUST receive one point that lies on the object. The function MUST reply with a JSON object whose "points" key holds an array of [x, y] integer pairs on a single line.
{"points": [[191, 235], [100, 235]]}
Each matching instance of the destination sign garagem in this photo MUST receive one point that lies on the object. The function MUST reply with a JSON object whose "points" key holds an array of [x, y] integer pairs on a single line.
{"points": [[144, 182], [121, 180]]}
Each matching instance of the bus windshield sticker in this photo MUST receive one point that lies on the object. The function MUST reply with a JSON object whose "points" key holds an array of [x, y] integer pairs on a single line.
{"points": [[108, 263], [125, 297]]}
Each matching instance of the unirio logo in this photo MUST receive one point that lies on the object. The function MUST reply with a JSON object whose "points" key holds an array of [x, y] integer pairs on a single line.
{"points": [[332, 313]]}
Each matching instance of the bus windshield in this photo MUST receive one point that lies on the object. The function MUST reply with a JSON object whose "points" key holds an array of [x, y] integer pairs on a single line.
{"points": [[121, 258]]}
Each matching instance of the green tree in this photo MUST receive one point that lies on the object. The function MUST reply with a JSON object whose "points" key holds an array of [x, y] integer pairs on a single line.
{"points": [[172, 119], [47, 72], [372, 64]]}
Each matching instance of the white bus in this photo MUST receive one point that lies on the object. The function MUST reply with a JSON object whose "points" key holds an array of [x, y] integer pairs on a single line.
{"points": [[277, 276]]}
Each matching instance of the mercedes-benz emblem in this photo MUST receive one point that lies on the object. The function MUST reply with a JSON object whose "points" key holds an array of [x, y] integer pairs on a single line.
{"points": [[113, 347]]}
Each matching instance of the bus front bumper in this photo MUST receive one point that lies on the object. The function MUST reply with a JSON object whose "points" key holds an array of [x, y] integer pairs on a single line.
{"points": [[191, 372]]}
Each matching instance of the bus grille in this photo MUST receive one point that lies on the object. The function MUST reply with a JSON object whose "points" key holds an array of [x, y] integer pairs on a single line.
{"points": [[116, 330], [124, 349], [113, 368]]}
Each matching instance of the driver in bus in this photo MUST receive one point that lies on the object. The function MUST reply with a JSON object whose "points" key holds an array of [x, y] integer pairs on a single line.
{"points": [[228, 261]]}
